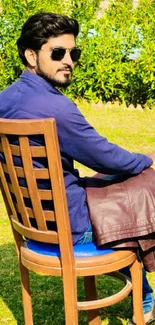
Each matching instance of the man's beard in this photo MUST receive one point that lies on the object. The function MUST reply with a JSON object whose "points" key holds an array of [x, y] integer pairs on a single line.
{"points": [[54, 82]]}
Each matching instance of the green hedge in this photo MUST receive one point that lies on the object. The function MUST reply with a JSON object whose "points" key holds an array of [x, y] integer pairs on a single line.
{"points": [[105, 71]]}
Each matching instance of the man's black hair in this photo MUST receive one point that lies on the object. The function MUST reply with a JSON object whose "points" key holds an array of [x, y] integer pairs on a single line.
{"points": [[39, 27]]}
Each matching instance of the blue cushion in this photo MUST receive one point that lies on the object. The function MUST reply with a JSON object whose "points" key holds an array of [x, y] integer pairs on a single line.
{"points": [[85, 250]]}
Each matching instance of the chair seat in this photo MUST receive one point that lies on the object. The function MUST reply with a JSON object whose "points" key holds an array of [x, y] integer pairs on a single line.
{"points": [[89, 259], [45, 258], [81, 251]]}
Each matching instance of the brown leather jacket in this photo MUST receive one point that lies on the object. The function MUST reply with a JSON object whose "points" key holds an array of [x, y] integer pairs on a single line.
{"points": [[122, 212]]}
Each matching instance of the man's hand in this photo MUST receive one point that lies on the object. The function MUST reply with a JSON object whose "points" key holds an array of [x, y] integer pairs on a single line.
{"points": [[152, 156]]}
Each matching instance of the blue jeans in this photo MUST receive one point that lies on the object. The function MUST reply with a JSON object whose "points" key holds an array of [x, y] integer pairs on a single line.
{"points": [[87, 236], [148, 298]]}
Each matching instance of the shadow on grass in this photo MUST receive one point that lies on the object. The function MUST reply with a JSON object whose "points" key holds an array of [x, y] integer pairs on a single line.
{"points": [[47, 295]]}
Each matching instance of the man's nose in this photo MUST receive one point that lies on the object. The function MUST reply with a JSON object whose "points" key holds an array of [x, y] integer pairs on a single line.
{"points": [[67, 59]]}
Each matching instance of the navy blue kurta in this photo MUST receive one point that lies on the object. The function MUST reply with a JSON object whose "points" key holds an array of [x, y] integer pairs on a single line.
{"points": [[32, 97]]}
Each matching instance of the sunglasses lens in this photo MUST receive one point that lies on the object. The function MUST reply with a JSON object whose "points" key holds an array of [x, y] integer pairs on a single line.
{"points": [[58, 54], [75, 54]]}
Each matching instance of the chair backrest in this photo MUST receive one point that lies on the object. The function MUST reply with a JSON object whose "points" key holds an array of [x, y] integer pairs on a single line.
{"points": [[32, 181]]}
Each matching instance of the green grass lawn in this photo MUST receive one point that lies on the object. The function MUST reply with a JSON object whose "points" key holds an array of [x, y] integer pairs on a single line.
{"points": [[131, 129]]}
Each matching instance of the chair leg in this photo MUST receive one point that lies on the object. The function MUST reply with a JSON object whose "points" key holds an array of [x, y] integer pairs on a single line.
{"points": [[27, 305], [91, 294], [136, 276], [70, 300]]}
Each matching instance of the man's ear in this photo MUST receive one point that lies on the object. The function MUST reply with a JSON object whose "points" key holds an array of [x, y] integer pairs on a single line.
{"points": [[31, 57]]}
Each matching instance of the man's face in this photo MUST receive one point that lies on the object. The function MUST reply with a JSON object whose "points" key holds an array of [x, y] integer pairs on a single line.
{"points": [[57, 73]]}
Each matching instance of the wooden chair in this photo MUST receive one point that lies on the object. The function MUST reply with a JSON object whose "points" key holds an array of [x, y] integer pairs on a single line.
{"points": [[46, 251]]}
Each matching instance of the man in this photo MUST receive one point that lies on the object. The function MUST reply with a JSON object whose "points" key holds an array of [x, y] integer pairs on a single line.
{"points": [[48, 49]]}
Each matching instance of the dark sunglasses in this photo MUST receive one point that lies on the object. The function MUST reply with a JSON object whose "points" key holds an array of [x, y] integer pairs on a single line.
{"points": [[58, 53]]}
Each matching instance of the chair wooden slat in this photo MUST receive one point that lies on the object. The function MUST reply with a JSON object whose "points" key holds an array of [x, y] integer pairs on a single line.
{"points": [[31, 182], [14, 180], [49, 236], [56, 174], [35, 150], [44, 194], [6, 194], [40, 173], [49, 215]]}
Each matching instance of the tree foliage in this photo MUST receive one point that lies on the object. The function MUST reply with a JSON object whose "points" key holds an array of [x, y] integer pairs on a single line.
{"points": [[106, 70]]}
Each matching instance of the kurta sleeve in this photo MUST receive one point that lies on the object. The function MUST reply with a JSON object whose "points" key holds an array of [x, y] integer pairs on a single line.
{"points": [[80, 141]]}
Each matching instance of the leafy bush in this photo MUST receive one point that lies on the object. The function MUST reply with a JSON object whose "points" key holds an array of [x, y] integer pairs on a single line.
{"points": [[105, 71]]}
